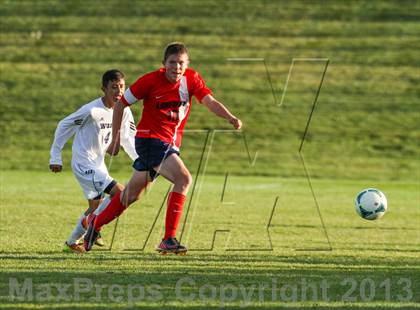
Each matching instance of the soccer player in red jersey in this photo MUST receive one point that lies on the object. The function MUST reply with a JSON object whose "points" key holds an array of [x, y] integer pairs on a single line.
{"points": [[166, 95]]}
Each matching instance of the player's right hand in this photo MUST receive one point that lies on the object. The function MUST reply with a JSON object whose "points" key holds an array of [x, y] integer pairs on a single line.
{"points": [[236, 122], [113, 148], [56, 168]]}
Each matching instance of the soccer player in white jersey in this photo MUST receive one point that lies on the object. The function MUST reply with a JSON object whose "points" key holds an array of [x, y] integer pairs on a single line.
{"points": [[167, 99], [92, 127]]}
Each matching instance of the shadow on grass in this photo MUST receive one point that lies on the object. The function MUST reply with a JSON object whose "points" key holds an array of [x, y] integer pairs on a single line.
{"points": [[208, 307], [232, 259]]}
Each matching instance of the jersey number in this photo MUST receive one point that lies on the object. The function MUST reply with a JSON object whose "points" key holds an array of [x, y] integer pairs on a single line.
{"points": [[173, 116], [107, 137]]}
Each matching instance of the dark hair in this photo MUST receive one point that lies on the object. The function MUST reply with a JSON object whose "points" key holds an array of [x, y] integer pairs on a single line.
{"points": [[111, 75], [174, 48]]}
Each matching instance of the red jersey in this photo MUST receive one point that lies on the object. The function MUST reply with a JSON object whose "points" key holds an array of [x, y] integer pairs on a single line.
{"points": [[166, 106]]}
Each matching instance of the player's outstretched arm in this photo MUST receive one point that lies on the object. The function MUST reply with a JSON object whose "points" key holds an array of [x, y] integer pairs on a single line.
{"points": [[220, 110], [117, 116], [66, 128]]}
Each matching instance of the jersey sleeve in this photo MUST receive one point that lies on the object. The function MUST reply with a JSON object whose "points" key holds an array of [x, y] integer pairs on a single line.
{"points": [[66, 128], [200, 89], [136, 91], [127, 134]]}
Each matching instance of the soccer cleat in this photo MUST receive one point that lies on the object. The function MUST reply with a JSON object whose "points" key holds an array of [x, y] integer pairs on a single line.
{"points": [[171, 245], [91, 233], [99, 240], [73, 248]]}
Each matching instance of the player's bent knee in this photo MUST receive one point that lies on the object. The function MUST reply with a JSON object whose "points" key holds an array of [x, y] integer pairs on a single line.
{"points": [[184, 180], [188, 180]]}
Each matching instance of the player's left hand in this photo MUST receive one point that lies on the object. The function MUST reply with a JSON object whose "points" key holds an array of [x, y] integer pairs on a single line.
{"points": [[56, 168], [236, 122]]}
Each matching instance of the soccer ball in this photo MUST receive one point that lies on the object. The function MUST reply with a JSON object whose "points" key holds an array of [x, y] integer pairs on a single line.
{"points": [[370, 204]]}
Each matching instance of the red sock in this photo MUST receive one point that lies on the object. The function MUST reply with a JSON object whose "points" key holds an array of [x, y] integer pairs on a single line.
{"points": [[112, 211], [173, 213]]}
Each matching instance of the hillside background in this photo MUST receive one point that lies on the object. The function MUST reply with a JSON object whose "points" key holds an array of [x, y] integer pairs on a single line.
{"points": [[365, 124]]}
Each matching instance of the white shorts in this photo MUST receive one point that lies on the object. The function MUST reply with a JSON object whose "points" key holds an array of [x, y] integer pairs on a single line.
{"points": [[93, 180]]}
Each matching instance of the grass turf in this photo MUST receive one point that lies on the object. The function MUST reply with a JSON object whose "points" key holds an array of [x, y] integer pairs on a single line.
{"points": [[370, 264], [364, 133], [53, 54]]}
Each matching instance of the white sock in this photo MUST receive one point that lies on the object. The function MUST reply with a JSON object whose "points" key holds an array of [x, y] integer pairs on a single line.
{"points": [[77, 232], [103, 205]]}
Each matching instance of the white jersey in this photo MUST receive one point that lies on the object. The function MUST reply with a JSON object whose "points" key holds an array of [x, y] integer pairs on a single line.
{"points": [[92, 126]]}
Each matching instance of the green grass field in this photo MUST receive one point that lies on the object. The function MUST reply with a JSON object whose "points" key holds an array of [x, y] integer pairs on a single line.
{"points": [[369, 265], [52, 55], [364, 133]]}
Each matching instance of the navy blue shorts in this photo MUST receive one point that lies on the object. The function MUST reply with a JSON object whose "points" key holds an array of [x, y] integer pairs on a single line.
{"points": [[152, 152]]}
